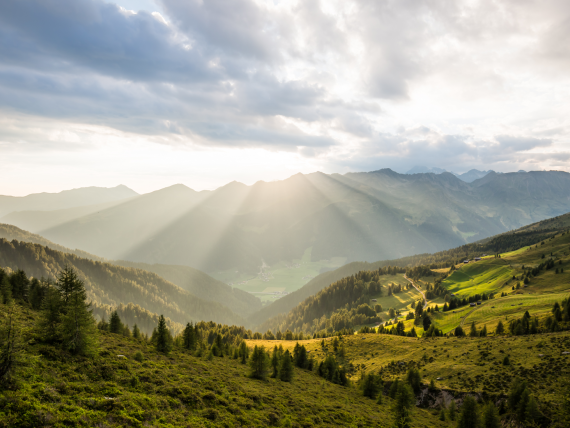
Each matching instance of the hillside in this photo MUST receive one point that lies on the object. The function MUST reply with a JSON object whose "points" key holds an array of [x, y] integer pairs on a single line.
{"points": [[119, 388], [526, 235], [357, 216], [65, 199], [202, 285], [463, 281], [111, 285]]}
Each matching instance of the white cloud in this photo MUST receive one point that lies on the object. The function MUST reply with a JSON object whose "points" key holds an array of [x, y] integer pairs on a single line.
{"points": [[337, 85]]}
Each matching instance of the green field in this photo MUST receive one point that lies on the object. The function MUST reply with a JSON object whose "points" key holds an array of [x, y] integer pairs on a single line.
{"points": [[460, 364], [283, 277]]}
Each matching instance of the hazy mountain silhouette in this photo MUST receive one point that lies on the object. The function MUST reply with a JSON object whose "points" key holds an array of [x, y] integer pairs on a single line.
{"points": [[361, 216]]}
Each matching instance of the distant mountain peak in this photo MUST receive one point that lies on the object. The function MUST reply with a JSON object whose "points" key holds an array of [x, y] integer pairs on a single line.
{"points": [[419, 169]]}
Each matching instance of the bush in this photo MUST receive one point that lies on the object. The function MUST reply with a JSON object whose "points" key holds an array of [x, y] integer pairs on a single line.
{"points": [[139, 356]]}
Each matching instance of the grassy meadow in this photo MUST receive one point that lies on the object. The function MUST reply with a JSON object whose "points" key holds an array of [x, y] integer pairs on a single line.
{"points": [[181, 389]]}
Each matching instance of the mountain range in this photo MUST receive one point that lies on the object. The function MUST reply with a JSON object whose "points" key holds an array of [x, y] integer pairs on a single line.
{"points": [[369, 216]]}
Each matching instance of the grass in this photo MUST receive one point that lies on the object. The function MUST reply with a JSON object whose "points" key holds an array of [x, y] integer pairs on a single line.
{"points": [[178, 390], [462, 364], [495, 275], [286, 276]]}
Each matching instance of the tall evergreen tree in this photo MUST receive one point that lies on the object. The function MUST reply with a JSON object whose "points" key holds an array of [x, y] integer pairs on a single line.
{"points": [[78, 328], [275, 360], [115, 324], [403, 404], [491, 417], [243, 352], [11, 347], [20, 285], [189, 337], [452, 410], [50, 315], [163, 337], [286, 368], [5, 288], [414, 379], [67, 283], [371, 385], [259, 363], [473, 332], [136, 332], [469, 416]]}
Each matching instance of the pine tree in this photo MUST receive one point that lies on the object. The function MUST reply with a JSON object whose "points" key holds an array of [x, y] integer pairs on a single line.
{"points": [[20, 285], [163, 337], [50, 315], [473, 332], [370, 386], [500, 328], [414, 379], [78, 329], [67, 282], [115, 324], [469, 417], [452, 410], [5, 288], [286, 368], [189, 337], [275, 359], [243, 352], [491, 417], [136, 332], [258, 363], [11, 347], [403, 403], [442, 415], [36, 293]]}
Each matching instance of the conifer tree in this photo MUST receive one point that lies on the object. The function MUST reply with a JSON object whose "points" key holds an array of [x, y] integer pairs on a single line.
{"points": [[469, 416], [67, 282], [50, 315], [115, 324], [136, 332], [491, 417], [414, 379], [36, 293], [452, 410], [189, 337], [163, 337], [11, 347], [258, 363], [275, 359], [20, 285], [473, 332], [243, 352], [371, 385], [500, 328], [286, 368], [403, 404], [78, 329], [5, 288]]}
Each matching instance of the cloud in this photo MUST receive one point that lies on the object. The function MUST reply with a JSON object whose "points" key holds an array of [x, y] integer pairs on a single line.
{"points": [[351, 84]]}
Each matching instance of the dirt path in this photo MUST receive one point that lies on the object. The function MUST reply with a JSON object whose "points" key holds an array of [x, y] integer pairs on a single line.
{"points": [[419, 291]]}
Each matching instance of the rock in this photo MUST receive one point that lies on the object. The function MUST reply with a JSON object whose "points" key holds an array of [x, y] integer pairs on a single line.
{"points": [[121, 356]]}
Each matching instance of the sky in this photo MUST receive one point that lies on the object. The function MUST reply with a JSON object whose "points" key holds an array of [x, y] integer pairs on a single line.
{"points": [[150, 93]]}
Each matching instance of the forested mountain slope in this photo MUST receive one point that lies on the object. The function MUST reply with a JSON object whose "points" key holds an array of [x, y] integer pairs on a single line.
{"points": [[202, 285], [196, 282], [510, 241], [10, 232], [358, 216], [108, 284]]}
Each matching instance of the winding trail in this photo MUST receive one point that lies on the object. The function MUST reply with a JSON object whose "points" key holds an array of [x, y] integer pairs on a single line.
{"points": [[419, 291]]}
